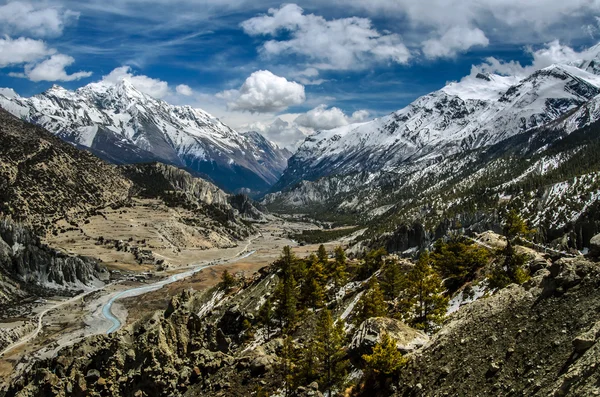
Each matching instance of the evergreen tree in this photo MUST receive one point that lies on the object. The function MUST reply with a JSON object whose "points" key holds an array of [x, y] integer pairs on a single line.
{"points": [[385, 360], [313, 288], [392, 280], [265, 315], [514, 228], [373, 262], [287, 297], [371, 303], [423, 301], [512, 270], [338, 268], [287, 367], [458, 260], [322, 254], [307, 369], [227, 281], [330, 352], [288, 263]]}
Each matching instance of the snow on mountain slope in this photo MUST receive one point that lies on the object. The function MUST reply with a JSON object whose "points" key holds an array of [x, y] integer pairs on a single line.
{"points": [[124, 125], [478, 111]]}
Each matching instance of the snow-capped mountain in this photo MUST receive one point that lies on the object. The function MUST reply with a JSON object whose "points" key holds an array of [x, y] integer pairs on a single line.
{"points": [[123, 125], [459, 156], [478, 111]]}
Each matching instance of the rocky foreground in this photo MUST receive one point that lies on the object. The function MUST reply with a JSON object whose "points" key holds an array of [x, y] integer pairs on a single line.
{"points": [[537, 339]]}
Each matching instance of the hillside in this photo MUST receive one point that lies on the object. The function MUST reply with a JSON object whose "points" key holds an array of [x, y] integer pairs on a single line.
{"points": [[120, 124], [43, 178]]}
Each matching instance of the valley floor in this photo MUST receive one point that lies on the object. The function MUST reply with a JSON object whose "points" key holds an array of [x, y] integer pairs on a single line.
{"points": [[65, 321]]}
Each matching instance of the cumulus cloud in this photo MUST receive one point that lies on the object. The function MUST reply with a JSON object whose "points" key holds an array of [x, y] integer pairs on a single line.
{"points": [[284, 133], [322, 118], [550, 53], [22, 50], [52, 69], [457, 39], [153, 87], [264, 92], [340, 44], [30, 19], [184, 90]]}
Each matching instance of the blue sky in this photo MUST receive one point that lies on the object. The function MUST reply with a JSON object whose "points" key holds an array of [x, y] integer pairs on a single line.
{"points": [[284, 69]]}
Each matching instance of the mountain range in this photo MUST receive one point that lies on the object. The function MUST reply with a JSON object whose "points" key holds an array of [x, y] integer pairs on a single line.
{"points": [[119, 123], [459, 155]]}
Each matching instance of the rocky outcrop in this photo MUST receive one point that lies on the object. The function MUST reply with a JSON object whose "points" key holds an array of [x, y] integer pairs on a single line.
{"points": [[155, 179], [539, 339], [29, 265], [369, 333], [595, 246]]}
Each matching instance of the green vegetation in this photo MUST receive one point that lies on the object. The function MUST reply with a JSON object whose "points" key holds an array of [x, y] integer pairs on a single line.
{"points": [[382, 366], [512, 269], [458, 260], [322, 236], [422, 300], [227, 281]]}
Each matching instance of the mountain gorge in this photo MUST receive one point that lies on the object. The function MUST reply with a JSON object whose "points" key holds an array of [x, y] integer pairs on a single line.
{"points": [[120, 124]]}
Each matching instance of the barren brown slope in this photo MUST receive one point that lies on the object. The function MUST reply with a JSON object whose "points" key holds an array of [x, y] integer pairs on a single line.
{"points": [[43, 178]]}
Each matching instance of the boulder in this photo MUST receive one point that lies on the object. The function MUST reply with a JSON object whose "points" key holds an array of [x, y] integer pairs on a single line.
{"points": [[262, 364], [595, 246], [587, 339], [369, 333], [92, 375]]}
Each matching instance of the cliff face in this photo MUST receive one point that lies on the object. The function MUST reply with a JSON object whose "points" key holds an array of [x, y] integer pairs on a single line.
{"points": [[29, 267]]}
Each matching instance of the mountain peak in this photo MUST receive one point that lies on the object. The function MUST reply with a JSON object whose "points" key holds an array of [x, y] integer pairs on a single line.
{"points": [[124, 125]]}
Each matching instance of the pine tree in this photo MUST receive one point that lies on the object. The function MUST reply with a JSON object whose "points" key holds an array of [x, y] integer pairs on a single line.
{"points": [[458, 260], [385, 360], [512, 271], [322, 254], [422, 298], [307, 369], [227, 281], [313, 288], [514, 228], [287, 297], [392, 280], [265, 315], [373, 262], [330, 352], [371, 303], [337, 270], [287, 365], [288, 263]]}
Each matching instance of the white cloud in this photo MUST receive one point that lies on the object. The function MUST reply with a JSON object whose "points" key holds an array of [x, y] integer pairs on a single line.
{"points": [[29, 19], [52, 69], [184, 89], [340, 44], [284, 133], [264, 92], [22, 50], [509, 20], [153, 87], [289, 130], [457, 39], [322, 118], [549, 54], [308, 76]]}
